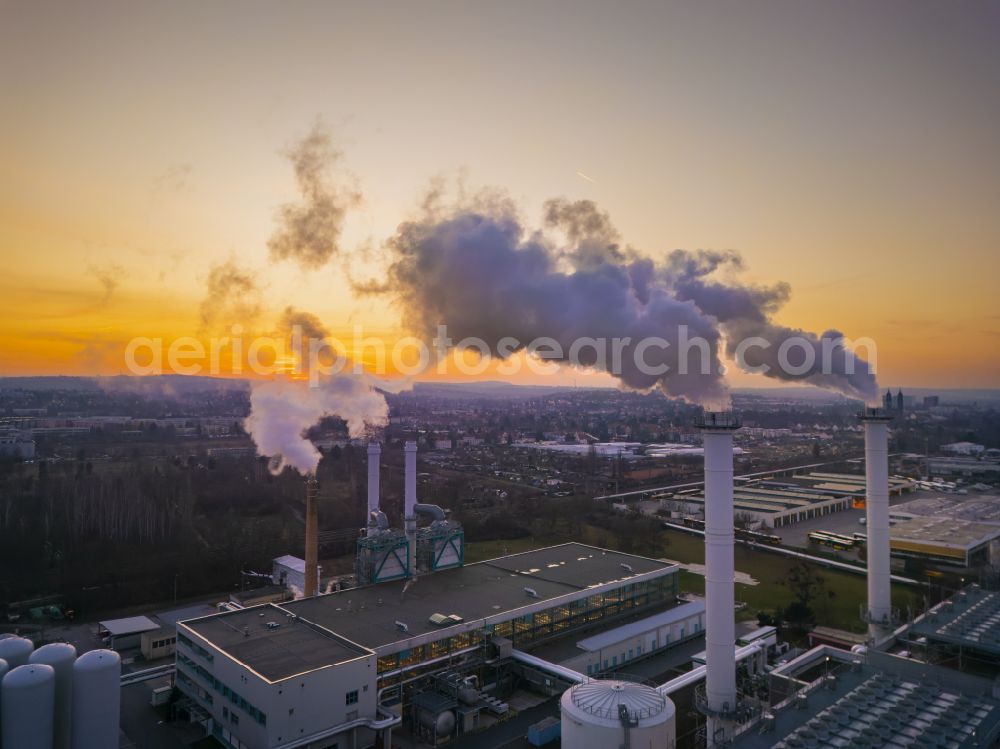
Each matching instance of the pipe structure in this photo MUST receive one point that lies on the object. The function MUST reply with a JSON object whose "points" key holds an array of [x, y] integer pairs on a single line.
{"points": [[409, 503], [311, 586], [879, 614], [717, 430], [434, 512], [555, 669], [374, 459]]}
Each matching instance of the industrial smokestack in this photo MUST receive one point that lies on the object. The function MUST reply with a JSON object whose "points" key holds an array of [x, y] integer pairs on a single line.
{"points": [[409, 502], [312, 540], [374, 456], [720, 619], [879, 614]]}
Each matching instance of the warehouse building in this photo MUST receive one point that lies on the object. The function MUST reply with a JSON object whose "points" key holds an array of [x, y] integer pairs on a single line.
{"points": [[943, 540], [777, 502], [321, 671], [963, 466]]}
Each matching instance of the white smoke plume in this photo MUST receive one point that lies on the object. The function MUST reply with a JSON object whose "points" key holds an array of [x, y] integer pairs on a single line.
{"points": [[475, 268], [281, 410]]}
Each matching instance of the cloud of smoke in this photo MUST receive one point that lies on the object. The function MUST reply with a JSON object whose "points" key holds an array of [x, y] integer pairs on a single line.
{"points": [[109, 277], [231, 291], [308, 324], [281, 410], [309, 230], [475, 268], [476, 271], [744, 313], [175, 178]]}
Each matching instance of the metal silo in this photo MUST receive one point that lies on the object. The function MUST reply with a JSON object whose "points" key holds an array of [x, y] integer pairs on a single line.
{"points": [[16, 651], [60, 656], [4, 668], [96, 700], [28, 704]]}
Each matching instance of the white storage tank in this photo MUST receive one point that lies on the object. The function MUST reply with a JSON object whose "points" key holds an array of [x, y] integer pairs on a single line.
{"points": [[442, 723], [60, 656], [4, 668], [597, 714], [16, 651], [96, 700], [28, 699]]}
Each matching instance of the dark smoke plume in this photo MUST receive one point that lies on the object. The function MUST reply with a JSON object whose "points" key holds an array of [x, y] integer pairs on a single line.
{"points": [[231, 292], [309, 324], [309, 230], [476, 269]]}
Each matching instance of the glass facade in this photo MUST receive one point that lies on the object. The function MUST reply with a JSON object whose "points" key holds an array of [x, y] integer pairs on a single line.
{"points": [[542, 625]]}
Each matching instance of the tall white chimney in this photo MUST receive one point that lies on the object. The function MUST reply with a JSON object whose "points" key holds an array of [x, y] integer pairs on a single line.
{"points": [[374, 458], [409, 501], [720, 616], [879, 613]]}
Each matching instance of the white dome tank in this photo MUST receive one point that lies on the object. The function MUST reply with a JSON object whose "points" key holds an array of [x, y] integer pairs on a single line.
{"points": [[28, 704], [96, 700], [60, 656], [16, 651], [593, 718]]}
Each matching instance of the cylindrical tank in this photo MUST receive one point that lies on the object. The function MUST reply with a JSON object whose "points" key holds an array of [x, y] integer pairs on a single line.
{"points": [[442, 723], [96, 700], [16, 651], [592, 716], [28, 705], [4, 668], [60, 656]]}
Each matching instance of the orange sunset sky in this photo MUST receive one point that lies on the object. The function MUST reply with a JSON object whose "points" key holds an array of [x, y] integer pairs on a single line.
{"points": [[851, 149]]}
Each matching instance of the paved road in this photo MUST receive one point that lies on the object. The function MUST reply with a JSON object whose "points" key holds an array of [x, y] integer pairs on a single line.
{"points": [[144, 726]]}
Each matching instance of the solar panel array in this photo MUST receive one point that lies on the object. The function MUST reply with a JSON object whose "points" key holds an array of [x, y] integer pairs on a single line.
{"points": [[886, 711], [980, 622]]}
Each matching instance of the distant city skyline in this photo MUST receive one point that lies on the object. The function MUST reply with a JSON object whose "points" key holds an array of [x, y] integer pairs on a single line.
{"points": [[847, 149]]}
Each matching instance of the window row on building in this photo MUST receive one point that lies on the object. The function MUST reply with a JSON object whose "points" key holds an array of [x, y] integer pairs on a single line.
{"points": [[185, 662]]}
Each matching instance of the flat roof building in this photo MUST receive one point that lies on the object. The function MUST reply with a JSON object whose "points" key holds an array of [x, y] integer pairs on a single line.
{"points": [[123, 634], [830, 699], [943, 540], [340, 650], [776, 502], [968, 621]]}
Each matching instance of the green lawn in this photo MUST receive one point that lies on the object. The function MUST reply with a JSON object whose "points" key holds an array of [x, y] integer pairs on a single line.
{"points": [[841, 610]]}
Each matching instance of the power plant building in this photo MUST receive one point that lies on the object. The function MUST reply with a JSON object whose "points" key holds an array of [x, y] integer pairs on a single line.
{"points": [[311, 669], [347, 668]]}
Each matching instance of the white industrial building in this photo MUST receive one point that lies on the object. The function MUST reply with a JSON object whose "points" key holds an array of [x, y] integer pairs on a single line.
{"points": [[963, 448], [613, 649], [13, 445], [290, 572], [123, 634]]}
